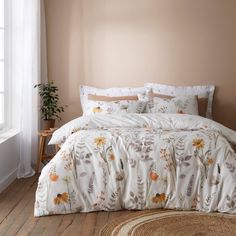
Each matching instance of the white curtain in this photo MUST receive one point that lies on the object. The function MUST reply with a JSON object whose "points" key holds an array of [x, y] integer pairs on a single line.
{"points": [[27, 24]]}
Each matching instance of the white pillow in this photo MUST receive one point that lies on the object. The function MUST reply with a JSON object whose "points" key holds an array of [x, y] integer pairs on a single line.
{"points": [[179, 105], [114, 107], [206, 91], [85, 90]]}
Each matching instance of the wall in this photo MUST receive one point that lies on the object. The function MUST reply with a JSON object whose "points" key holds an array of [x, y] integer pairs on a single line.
{"points": [[64, 42], [129, 42], [9, 150]]}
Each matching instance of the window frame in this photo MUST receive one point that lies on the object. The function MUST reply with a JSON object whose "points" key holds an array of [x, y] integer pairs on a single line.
{"points": [[6, 125]]}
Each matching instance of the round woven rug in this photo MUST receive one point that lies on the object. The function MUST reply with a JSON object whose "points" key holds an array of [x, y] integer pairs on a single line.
{"points": [[172, 223]]}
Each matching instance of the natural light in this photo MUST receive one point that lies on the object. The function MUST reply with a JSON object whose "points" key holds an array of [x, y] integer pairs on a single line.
{"points": [[1, 62]]}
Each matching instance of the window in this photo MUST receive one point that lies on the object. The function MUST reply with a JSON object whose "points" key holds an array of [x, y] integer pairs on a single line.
{"points": [[2, 67], [5, 43]]}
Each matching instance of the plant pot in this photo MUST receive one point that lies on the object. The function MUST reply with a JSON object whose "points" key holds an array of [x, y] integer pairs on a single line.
{"points": [[47, 124]]}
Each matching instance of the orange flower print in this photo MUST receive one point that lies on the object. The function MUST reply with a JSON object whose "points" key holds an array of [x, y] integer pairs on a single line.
{"points": [[159, 198], [53, 177], [198, 143], [100, 141], [61, 198], [97, 110], [210, 161], [153, 176], [112, 157]]}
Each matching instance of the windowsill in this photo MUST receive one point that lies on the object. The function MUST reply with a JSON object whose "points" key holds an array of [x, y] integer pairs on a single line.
{"points": [[5, 135]]}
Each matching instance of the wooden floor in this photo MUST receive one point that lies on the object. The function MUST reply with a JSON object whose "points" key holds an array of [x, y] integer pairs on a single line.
{"points": [[16, 215]]}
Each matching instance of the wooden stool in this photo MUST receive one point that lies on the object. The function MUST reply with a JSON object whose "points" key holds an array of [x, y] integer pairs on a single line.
{"points": [[43, 135]]}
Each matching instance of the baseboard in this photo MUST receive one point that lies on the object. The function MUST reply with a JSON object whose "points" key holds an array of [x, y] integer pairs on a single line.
{"points": [[8, 180]]}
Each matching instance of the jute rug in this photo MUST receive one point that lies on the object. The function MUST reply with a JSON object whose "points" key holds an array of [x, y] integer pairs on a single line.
{"points": [[172, 223]]}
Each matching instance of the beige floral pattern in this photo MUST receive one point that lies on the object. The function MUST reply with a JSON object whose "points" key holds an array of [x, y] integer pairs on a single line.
{"points": [[140, 162], [115, 107], [116, 92], [204, 91], [179, 105]]}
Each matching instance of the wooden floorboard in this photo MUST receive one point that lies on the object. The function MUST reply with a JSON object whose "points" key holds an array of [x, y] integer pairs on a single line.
{"points": [[16, 215]]}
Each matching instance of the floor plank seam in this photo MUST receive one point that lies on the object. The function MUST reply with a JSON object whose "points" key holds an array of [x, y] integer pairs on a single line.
{"points": [[94, 228], [17, 203], [18, 230], [19, 219], [5, 218], [67, 227]]}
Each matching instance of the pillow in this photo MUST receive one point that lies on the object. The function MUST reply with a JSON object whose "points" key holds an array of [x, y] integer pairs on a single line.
{"points": [[114, 107], [114, 92], [110, 99], [201, 91], [180, 105], [202, 102]]}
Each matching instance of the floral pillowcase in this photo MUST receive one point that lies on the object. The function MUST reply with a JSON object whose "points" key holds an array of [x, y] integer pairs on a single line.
{"points": [[205, 92], [180, 104], [114, 107]]}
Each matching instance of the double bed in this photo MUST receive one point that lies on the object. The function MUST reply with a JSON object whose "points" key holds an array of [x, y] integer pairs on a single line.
{"points": [[132, 155]]}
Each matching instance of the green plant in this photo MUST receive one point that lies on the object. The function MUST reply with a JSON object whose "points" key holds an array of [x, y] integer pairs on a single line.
{"points": [[49, 101]]}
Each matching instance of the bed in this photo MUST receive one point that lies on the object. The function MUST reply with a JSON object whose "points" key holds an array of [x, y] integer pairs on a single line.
{"points": [[109, 162]]}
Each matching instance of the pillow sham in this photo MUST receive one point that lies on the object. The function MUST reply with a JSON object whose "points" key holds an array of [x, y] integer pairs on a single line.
{"points": [[110, 99], [202, 102], [114, 92], [114, 107], [179, 105], [206, 91]]}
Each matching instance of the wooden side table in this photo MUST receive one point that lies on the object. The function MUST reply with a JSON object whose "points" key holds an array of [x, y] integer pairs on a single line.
{"points": [[43, 135]]}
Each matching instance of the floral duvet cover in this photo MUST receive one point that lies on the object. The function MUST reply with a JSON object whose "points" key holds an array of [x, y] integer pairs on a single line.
{"points": [[139, 161]]}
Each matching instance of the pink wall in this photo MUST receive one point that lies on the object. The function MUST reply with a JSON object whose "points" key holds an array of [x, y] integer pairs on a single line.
{"points": [[129, 42]]}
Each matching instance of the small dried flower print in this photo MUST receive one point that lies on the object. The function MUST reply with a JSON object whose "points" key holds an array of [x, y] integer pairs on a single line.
{"points": [[100, 141], [65, 156], [61, 198], [120, 176], [180, 112], [75, 130], [69, 165], [66, 179], [198, 143], [165, 154]]}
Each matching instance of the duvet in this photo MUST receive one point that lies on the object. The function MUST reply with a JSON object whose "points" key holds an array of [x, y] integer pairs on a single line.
{"points": [[139, 161]]}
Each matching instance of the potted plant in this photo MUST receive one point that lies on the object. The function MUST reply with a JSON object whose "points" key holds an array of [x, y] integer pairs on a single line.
{"points": [[49, 107]]}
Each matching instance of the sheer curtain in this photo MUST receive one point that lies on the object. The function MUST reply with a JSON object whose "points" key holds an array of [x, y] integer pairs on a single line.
{"points": [[27, 27]]}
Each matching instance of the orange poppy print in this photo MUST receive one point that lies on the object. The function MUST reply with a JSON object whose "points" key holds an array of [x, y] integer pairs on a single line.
{"points": [[61, 198], [153, 176], [112, 157], [210, 161], [54, 177]]}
